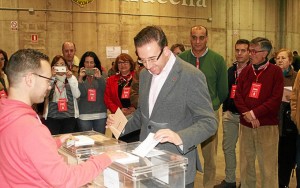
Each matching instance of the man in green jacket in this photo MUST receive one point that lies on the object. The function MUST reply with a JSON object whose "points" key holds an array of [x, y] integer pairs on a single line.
{"points": [[215, 70]]}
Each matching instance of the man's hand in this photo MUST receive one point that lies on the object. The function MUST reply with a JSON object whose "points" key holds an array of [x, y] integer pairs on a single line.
{"points": [[167, 135], [69, 74], [97, 73], [248, 117], [255, 123], [110, 120]]}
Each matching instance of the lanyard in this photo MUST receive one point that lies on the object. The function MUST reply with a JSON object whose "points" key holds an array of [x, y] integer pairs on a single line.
{"points": [[236, 77], [257, 76], [60, 91], [90, 80]]}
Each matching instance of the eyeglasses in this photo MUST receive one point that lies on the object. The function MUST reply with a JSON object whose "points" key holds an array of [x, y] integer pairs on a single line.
{"points": [[253, 52], [51, 80], [150, 59], [123, 62]]}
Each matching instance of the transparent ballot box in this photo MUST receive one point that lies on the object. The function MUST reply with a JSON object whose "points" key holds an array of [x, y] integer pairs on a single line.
{"points": [[159, 168], [85, 145]]}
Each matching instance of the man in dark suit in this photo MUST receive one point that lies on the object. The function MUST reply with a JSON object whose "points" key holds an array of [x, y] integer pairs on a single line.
{"points": [[174, 102]]}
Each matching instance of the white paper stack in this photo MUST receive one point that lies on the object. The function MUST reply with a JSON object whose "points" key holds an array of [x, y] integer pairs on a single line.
{"points": [[83, 141]]}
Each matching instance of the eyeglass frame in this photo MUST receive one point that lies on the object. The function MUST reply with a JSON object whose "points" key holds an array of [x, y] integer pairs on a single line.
{"points": [[150, 59], [53, 80], [254, 52], [123, 62]]}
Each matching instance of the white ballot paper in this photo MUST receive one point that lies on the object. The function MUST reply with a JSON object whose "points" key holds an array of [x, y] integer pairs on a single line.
{"points": [[120, 122], [146, 146], [82, 140], [286, 92]]}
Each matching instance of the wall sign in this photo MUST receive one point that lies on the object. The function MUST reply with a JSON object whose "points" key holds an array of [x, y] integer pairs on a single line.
{"points": [[34, 38], [82, 3], [14, 25]]}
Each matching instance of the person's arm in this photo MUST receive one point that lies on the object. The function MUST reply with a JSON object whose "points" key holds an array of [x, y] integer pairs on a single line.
{"points": [[74, 86], [222, 81], [200, 106], [294, 97], [273, 102], [109, 94], [239, 98], [41, 151]]}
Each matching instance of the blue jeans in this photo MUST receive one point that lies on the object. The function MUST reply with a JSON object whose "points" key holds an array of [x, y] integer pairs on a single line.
{"points": [[96, 125]]}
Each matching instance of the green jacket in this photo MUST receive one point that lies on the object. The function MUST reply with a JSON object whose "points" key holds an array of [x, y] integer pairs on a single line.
{"points": [[215, 70]]}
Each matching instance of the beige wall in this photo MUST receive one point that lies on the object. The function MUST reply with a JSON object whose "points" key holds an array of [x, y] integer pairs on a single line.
{"points": [[115, 22]]}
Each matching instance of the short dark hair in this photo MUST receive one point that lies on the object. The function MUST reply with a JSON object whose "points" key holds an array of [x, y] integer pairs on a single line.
{"points": [[243, 41], [200, 27], [149, 34], [94, 56], [23, 61], [180, 46], [264, 43], [295, 53], [124, 57]]}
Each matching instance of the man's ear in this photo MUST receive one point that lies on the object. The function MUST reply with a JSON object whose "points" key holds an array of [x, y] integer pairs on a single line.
{"points": [[166, 51], [29, 79]]}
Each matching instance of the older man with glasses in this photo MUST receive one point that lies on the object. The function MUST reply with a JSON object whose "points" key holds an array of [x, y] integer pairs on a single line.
{"points": [[258, 98]]}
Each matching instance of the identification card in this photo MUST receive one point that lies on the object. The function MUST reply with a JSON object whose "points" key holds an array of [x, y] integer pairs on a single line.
{"points": [[255, 90], [125, 93], [232, 92], [62, 105], [3, 94], [92, 95]]}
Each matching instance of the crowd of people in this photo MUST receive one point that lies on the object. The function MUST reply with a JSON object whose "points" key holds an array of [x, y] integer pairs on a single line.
{"points": [[173, 92]]}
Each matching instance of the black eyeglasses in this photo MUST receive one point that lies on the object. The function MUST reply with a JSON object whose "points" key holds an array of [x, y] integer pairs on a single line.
{"points": [[52, 80], [151, 59], [253, 52]]}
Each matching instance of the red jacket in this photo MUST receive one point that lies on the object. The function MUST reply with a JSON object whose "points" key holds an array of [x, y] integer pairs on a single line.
{"points": [[266, 107], [111, 96]]}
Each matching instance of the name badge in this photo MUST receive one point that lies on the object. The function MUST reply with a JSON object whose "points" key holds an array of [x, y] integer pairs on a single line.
{"points": [[255, 90], [92, 95], [232, 92], [3, 94], [125, 93], [62, 105]]}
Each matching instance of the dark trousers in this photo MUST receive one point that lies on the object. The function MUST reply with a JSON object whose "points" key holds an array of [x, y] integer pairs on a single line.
{"points": [[286, 158], [298, 162], [61, 126]]}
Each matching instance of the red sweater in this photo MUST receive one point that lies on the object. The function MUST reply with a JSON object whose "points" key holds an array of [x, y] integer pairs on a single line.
{"points": [[266, 106]]}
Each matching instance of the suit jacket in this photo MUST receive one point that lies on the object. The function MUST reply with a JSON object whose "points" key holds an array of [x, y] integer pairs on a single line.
{"points": [[183, 105]]}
